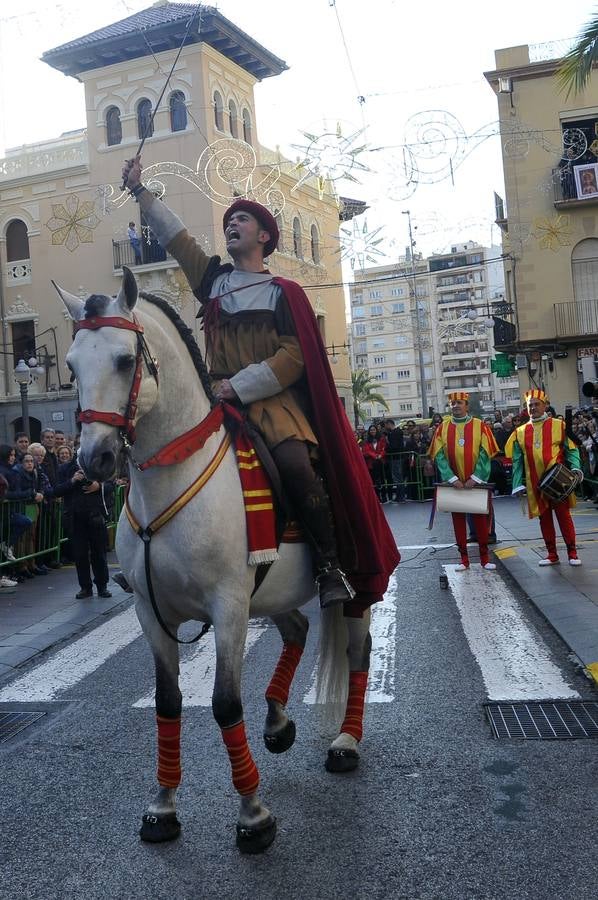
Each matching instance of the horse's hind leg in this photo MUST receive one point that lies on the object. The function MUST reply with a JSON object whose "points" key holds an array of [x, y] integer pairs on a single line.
{"points": [[343, 755], [256, 827], [160, 822], [279, 731]]}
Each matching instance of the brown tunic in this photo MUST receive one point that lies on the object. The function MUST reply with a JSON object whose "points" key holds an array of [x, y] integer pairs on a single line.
{"points": [[263, 334]]}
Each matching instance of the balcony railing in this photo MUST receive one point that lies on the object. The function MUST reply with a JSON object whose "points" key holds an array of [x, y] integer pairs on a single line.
{"points": [[576, 319], [124, 254], [565, 190]]}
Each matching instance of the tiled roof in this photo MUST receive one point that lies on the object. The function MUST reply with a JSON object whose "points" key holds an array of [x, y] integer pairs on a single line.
{"points": [[163, 27]]}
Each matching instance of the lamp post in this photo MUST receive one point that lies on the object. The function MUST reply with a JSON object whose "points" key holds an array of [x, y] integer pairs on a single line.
{"points": [[23, 379], [420, 318]]}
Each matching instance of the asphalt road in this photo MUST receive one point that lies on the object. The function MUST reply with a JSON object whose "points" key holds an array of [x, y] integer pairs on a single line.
{"points": [[437, 810]]}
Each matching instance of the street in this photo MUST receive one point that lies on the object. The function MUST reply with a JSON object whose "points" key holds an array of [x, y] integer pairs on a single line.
{"points": [[438, 809]]}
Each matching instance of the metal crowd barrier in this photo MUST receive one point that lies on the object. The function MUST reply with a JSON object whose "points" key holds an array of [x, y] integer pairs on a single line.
{"points": [[416, 485]]}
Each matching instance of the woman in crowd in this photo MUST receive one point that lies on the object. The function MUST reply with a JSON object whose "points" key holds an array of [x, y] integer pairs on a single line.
{"points": [[374, 453], [13, 522], [32, 480], [64, 455]]}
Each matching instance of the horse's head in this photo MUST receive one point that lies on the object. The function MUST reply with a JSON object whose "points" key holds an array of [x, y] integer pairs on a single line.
{"points": [[116, 378]]}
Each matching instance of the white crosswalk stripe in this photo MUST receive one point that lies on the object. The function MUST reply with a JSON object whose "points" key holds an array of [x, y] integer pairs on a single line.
{"points": [[513, 659]]}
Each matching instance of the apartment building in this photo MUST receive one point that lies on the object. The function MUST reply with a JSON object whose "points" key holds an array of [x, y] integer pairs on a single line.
{"points": [[63, 215], [550, 224], [431, 320]]}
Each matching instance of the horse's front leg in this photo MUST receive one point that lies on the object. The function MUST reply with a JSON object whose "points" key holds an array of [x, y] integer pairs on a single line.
{"points": [[343, 755], [256, 827], [279, 731], [160, 822]]}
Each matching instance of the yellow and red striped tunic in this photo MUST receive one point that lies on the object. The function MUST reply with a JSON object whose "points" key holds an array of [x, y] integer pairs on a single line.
{"points": [[542, 444], [461, 443]]}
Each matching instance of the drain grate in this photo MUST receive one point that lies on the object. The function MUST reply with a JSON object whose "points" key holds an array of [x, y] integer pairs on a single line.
{"points": [[544, 720], [11, 722]]}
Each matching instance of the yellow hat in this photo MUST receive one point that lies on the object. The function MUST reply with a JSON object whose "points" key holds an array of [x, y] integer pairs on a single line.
{"points": [[535, 394], [459, 395]]}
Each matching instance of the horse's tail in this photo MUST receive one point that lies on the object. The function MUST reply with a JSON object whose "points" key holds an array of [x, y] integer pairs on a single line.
{"points": [[333, 666]]}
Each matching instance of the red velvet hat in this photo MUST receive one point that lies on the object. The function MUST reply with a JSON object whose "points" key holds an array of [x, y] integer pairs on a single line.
{"points": [[264, 217]]}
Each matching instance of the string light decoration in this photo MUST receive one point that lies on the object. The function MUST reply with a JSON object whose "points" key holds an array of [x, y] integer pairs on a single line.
{"points": [[330, 157], [73, 222], [553, 233], [360, 245]]}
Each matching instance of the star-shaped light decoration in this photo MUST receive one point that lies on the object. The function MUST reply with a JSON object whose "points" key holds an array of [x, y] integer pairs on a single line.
{"points": [[553, 233], [72, 222], [360, 245], [330, 157]]}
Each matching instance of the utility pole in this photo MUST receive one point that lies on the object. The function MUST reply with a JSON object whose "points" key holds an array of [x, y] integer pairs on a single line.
{"points": [[420, 319]]}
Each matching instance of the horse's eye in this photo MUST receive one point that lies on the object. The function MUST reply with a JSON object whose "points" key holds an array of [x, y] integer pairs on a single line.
{"points": [[125, 363]]}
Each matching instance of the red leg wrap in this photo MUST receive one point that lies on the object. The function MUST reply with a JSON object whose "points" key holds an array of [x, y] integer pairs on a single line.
{"points": [[279, 686], [353, 721], [460, 527], [244, 771], [169, 752], [565, 520], [480, 523], [548, 533]]}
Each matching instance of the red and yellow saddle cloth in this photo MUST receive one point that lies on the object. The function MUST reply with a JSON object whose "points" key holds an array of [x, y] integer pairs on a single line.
{"points": [[259, 503]]}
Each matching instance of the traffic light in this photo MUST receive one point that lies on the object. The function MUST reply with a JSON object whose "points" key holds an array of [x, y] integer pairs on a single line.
{"points": [[590, 389]]}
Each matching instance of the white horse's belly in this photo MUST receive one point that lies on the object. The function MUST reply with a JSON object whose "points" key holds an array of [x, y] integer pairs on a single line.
{"points": [[288, 584]]}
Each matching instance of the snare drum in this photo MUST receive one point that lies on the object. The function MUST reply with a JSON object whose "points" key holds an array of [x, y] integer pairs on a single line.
{"points": [[558, 482], [474, 500]]}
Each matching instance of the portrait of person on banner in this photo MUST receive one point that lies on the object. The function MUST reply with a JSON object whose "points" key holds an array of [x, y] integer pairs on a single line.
{"points": [[586, 180]]}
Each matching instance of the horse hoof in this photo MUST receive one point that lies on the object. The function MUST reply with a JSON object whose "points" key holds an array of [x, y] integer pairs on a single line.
{"points": [[282, 740], [156, 829], [341, 760], [257, 839]]}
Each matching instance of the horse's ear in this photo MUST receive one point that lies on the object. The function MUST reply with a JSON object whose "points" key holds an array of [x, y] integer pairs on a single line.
{"points": [[74, 305], [127, 296]]}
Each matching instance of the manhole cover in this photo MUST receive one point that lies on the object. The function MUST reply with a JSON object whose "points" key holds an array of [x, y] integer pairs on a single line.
{"points": [[543, 720], [12, 722]]}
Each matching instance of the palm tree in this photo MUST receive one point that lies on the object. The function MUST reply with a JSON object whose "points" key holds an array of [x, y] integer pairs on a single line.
{"points": [[575, 69], [365, 390]]}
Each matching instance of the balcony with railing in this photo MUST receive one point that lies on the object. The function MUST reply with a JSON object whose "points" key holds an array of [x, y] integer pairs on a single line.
{"points": [[576, 319], [150, 253], [569, 191], [18, 271]]}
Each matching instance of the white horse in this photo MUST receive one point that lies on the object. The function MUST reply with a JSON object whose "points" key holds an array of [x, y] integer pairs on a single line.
{"points": [[141, 381]]}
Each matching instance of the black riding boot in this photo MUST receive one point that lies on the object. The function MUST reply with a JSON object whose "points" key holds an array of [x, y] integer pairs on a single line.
{"points": [[316, 518]]}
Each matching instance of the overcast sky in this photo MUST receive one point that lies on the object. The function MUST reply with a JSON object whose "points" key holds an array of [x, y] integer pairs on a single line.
{"points": [[422, 60]]}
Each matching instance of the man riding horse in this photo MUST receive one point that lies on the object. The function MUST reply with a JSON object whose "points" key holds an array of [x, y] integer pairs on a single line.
{"points": [[265, 353]]}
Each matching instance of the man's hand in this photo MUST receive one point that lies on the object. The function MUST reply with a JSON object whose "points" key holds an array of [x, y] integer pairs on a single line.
{"points": [[226, 391], [132, 172], [38, 497], [91, 488], [78, 476], [457, 484], [470, 483]]}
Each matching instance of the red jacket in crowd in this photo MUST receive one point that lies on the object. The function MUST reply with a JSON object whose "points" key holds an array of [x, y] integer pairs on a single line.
{"points": [[374, 451]]}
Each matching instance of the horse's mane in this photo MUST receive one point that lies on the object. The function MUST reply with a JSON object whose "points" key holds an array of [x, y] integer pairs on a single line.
{"points": [[188, 340]]}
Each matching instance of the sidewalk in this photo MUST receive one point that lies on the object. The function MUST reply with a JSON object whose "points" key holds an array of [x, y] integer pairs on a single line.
{"points": [[44, 610]]}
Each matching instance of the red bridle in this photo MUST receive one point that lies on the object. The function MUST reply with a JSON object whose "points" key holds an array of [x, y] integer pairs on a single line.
{"points": [[126, 423]]}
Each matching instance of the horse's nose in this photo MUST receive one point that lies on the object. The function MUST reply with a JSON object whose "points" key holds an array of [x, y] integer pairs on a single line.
{"points": [[101, 466]]}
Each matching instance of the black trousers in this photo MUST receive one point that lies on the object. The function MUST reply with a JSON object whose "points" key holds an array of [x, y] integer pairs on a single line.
{"points": [[89, 545]]}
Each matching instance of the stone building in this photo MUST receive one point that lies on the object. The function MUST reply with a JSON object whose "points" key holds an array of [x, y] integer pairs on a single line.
{"points": [[63, 215]]}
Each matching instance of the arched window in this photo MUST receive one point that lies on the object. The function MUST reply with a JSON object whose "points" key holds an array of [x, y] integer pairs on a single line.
{"points": [[145, 126], [218, 111], [17, 242], [232, 118], [278, 218], [178, 111], [315, 245], [297, 249], [114, 131], [247, 126]]}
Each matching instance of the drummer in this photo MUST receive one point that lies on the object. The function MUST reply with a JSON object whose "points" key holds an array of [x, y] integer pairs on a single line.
{"points": [[462, 448], [534, 448]]}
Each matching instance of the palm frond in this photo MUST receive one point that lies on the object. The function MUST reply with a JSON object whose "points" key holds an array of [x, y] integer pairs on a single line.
{"points": [[575, 69]]}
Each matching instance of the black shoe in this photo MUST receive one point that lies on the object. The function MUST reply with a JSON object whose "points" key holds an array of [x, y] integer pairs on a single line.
{"points": [[28, 573], [39, 570], [55, 564], [122, 582], [104, 592], [492, 539], [333, 587], [84, 593]]}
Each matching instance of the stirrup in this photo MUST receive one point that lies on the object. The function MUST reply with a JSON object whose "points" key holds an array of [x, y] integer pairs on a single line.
{"points": [[344, 593]]}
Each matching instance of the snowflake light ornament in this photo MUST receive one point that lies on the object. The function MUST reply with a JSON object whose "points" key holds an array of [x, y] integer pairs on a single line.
{"points": [[330, 157], [360, 245], [553, 233], [72, 222]]}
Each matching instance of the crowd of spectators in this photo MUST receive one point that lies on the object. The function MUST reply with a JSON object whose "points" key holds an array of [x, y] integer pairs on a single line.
{"points": [[45, 496]]}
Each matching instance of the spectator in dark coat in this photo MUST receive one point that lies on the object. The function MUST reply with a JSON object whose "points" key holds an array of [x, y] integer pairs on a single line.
{"points": [[17, 523], [85, 514], [50, 463], [393, 468], [32, 479]]}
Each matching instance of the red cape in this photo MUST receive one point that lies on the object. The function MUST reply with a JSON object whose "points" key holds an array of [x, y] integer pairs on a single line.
{"points": [[367, 549]]}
